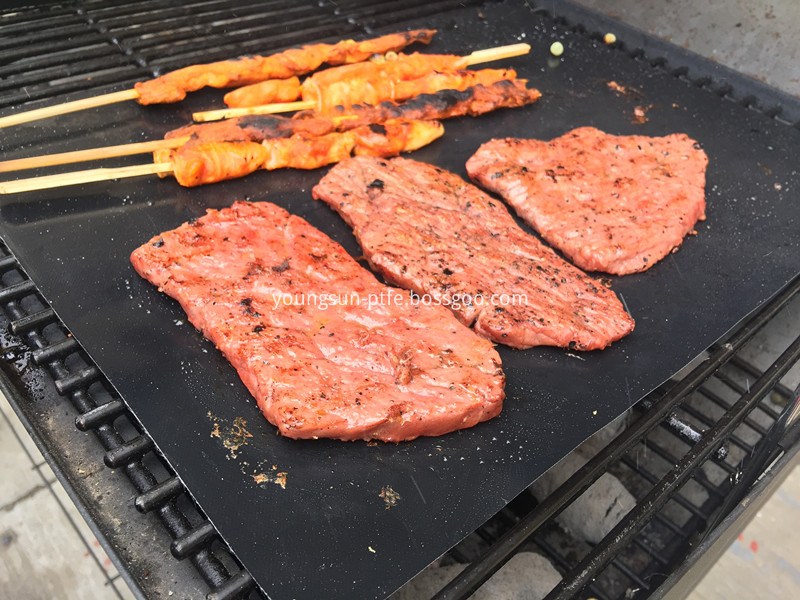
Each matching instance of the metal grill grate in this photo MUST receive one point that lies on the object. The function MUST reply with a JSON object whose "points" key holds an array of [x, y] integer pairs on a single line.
{"points": [[53, 50], [695, 449]]}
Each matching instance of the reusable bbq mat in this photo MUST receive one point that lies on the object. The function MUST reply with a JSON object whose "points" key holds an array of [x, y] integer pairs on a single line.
{"points": [[325, 519]]}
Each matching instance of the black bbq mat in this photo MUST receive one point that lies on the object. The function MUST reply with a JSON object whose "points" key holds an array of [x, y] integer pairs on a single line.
{"points": [[330, 533]]}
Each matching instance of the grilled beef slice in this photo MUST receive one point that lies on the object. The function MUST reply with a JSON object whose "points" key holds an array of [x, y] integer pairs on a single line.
{"points": [[277, 297], [610, 203], [428, 230]]}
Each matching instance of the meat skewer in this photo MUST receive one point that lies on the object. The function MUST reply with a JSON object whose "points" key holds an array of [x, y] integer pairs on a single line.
{"points": [[427, 107], [214, 161], [392, 67], [367, 83], [218, 161], [445, 104], [347, 93], [173, 86]]}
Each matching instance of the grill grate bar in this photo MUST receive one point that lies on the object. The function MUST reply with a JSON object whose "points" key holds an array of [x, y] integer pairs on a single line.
{"points": [[670, 458], [651, 552], [99, 415], [237, 585], [653, 479], [751, 370], [55, 351], [740, 389], [32, 321], [564, 564], [53, 67], [716, 399], [159, 495], [733, 438], [133, 17], [128, 452], [23, 25], [73, 381], [191, 541], [208, 34], [199, 49], [630, 574], [673, 527]]}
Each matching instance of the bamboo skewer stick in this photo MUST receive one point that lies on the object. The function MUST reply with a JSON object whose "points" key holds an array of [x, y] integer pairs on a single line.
{"points": [[64, 158], [68, 107], [266, 109], [77, 177], [498, 53], [477, 57]]}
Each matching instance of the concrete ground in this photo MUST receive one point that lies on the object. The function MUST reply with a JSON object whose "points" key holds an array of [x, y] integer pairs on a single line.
{"points": [[47, 552], [756, 37]]}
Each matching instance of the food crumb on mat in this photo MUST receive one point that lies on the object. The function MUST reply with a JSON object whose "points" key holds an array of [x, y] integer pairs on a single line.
{"points": [[233, 436], [640, 114], [609, 38], [620, 89], [390, 497], [557, 49], [276, 478]]}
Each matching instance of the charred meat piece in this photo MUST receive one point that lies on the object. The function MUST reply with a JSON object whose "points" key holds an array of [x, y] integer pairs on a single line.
{"points": [[473, 101], [326, 349], [428, 230], [610, 203]]}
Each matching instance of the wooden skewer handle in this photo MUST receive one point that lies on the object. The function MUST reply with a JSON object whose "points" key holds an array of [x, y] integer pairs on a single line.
{"points": [[78, 177], [64, 158], [68, 107], [499, 53], [266, 109]]}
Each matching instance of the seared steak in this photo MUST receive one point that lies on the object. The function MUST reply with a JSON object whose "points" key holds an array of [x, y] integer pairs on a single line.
{"points": [[610, 203], [326, 349], [428, 230]]}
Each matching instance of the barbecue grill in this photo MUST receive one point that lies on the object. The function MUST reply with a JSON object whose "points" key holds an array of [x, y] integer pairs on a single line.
{"points": [[709, 434]]}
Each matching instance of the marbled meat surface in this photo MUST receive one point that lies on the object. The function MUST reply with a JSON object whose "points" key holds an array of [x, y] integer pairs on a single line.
{"points": [[428, 230], [326, 349], [610, 203]]}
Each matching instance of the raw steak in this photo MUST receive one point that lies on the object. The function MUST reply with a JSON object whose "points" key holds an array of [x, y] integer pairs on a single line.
{"points": [[610, 203], [326, 349], [428, 230]]}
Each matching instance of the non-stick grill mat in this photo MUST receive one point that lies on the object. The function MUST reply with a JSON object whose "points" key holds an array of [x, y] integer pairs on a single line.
{"points": [[356, 520]]}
